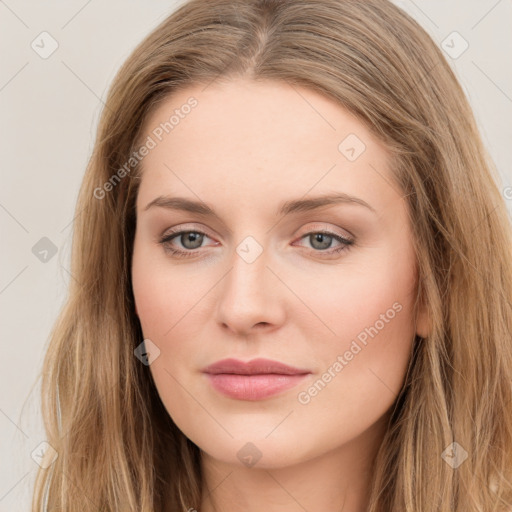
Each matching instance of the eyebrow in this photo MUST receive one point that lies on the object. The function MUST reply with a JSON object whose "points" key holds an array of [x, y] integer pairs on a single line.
{"points": [[287, 208]]}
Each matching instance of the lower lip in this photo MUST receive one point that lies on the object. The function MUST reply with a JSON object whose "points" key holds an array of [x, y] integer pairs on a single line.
{"points": [[253, 387]]}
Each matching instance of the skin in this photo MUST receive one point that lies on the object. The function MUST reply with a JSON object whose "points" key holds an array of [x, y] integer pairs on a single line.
{"points": [[244, 149]]}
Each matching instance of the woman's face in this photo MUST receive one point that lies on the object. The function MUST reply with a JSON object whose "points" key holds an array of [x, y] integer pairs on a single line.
{"points": [[254, 277]]}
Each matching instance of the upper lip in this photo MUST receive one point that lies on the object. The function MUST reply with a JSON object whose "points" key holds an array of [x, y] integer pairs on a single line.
{"points": [[253, 367]]}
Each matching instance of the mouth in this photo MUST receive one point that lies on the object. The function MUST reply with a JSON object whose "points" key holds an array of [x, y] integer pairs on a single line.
{"points": [[253, 380]]}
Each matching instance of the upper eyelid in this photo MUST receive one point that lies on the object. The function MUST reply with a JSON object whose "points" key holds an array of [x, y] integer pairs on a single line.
{"points": [[184, 228], [318, 226]]}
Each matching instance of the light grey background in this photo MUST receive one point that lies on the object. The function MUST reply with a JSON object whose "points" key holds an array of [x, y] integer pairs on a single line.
{"points": [[49, 110]]}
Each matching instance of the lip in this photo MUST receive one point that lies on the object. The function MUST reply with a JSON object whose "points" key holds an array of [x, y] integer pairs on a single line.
{"points": [[253, 380]]}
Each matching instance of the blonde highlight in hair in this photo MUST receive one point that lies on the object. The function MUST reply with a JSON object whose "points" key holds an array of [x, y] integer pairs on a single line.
{"points": [[117, 447]]}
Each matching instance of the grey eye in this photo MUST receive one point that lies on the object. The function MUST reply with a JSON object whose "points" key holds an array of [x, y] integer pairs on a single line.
{"points": [[320, 241], [191, 239]]}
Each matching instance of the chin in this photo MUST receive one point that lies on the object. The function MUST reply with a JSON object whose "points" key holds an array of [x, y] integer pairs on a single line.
{"points": [[258, 453]]}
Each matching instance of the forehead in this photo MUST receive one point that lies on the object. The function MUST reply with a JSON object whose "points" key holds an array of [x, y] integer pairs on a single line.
{"points": [[253, 141]]}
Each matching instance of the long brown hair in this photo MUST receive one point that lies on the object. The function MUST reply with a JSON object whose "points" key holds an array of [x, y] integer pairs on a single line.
{"points": [[117, 447]]}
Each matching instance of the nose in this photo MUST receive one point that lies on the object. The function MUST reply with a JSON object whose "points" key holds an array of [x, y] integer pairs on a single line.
{"points": [[250, 297]]}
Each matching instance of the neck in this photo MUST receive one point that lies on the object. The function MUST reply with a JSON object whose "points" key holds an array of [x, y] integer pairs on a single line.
{"points": [[339, 479]]}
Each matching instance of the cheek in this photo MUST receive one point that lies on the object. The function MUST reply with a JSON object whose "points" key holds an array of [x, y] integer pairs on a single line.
{"points": [[163, 295], [163, 298], [363, 373], [171, 303], [377, 290], [365, 362]]}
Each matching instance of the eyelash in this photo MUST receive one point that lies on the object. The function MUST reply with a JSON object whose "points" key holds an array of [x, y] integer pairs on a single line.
{"points": [[166, 239]]}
